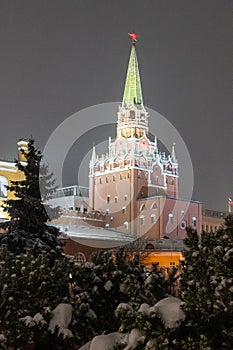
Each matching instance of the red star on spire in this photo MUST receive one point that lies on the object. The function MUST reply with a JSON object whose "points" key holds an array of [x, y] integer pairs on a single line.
{"points": [[133, 37]]}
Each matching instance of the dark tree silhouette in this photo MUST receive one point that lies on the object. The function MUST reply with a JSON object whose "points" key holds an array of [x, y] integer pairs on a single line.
{"points": [[28, 224]]}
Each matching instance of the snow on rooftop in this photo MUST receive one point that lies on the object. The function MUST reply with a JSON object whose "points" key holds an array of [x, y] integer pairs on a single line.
{"points": [[96, 236]]}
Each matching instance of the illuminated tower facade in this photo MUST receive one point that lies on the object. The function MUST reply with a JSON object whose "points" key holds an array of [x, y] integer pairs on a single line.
{"points": [[134, 171]]}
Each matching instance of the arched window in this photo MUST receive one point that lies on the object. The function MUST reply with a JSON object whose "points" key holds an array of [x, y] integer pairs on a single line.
{"points": [[80, 258], [170, 218], [142, 219], [123, 210], [132, 114], [3, 184], [126, 225], [152, 218], [194, 221], [149, 246]]}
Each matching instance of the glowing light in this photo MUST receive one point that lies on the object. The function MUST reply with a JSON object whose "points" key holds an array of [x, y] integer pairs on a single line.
{"points": [[133, 37]]}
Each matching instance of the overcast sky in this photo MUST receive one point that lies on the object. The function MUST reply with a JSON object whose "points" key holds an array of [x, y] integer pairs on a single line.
{"points": [[58, 57]]}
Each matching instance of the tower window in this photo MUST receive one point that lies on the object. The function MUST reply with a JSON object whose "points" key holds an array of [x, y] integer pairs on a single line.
{"points": [[108, 198], [128, 174], [116, 199], [125, 197], [194, 221], [121, 176], [123, 210], [170, 218], [132, 114], [153, 218], [126, 225], [106, 179], [183, 225], [114, 178], [107, 211], [142, 219], [100, 180]]}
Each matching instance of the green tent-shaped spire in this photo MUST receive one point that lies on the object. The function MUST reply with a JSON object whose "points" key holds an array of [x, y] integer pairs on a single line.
{"points": [[133, 89]]}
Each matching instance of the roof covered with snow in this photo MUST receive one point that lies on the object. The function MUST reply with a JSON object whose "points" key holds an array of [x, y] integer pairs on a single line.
{"points": [[96, 236]]}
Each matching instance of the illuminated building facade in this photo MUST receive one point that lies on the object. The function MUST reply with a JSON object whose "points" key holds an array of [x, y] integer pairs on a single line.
{"points": [[9, 172]]}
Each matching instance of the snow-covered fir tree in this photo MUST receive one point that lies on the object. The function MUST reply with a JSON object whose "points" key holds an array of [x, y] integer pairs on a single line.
{"points": [[30, 285], [207, 286], [28, 215], [115, 302]]}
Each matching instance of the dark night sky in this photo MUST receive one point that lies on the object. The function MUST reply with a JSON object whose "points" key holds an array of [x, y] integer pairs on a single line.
{"points": [[58, 57]]}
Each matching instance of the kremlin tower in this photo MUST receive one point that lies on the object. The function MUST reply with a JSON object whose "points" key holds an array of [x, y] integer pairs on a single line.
{"points": [[135, 184]]}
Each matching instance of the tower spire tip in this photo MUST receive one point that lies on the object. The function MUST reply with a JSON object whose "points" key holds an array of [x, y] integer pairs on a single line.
{"points": [[133, 37]]}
